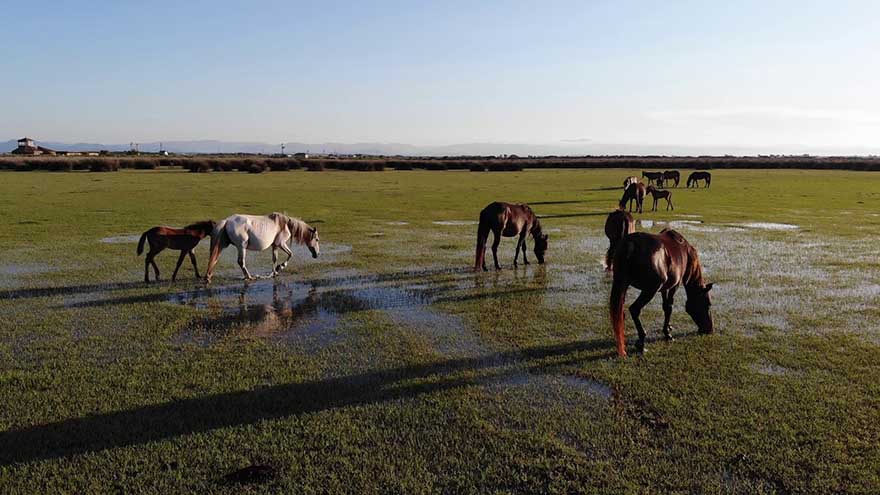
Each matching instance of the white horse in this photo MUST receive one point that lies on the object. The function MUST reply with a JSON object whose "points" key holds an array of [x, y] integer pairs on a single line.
{"points": [[257, 233], [630, 180]]}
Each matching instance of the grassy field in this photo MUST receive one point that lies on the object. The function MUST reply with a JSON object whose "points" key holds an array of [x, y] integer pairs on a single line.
{"points": [[386, 365]]}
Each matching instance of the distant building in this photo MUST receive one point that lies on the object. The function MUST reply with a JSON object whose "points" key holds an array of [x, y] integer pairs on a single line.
{"points": [[26, 146], [301, 155]]}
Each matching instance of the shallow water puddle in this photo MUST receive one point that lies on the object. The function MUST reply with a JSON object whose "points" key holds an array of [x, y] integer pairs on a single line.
{"points": [[455, 222], [285, 310], [769, 226], [122, 239], [548, 387]]}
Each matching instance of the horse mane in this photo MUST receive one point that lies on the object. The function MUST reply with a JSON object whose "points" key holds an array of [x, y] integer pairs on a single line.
{"points": [[299, 230], [536, 228], [209, 224]]}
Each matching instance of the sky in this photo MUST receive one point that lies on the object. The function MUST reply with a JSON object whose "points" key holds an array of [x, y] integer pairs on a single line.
{"points": [[770, 74]]}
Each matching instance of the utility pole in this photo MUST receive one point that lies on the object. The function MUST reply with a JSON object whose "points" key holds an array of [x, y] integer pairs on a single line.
{"points": [[282, 148]]}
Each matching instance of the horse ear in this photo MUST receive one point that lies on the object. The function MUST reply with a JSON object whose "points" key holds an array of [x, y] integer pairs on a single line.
{"points": [[708, 287]]}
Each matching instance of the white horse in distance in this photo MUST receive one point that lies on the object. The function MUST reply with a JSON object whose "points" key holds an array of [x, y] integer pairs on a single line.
{"points": [[258, 233]]}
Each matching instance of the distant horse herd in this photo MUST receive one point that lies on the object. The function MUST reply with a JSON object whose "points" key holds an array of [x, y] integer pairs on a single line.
{"points": [[652, 263]]}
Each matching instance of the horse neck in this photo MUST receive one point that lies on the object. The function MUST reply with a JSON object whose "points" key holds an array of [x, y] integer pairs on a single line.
{"points": [[536, 228], [694, 273], [298, 230]]}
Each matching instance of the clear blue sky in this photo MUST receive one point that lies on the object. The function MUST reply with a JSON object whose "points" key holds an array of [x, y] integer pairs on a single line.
{"points": [[679, 72]]}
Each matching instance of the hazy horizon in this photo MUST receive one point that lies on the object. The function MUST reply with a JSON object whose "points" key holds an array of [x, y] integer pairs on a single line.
{"points": [[781, 78]]}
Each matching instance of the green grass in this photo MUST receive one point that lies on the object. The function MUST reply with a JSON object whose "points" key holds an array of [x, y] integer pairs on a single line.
{"points": [[498, 382]]}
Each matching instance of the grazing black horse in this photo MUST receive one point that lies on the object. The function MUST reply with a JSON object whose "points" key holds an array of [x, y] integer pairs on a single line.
{"points": [[694, 177], [671, 175], [652, 176]]}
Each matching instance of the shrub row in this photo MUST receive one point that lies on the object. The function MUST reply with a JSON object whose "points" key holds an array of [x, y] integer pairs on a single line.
{"points": [[478, 164]]}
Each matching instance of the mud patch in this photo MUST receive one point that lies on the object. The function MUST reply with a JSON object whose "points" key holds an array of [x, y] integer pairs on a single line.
{"points": [[122, 239]]}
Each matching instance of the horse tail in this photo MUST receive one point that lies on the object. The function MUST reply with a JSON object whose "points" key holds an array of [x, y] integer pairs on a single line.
{"points": [[219, 240], [618, 296], [482, 237], [140, 249]]}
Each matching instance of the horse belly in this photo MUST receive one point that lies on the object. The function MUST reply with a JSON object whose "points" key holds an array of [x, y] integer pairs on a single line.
{"points": [[257, 244]]}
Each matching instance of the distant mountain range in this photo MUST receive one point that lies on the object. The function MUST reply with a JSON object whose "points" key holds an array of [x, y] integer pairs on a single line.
{"points": [[563, 148]]}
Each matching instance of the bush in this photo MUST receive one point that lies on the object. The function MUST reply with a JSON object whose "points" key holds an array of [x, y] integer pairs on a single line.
{"points": [[315, 166], [478, 167], [256, 168], [102, 164], [139, 163], [200, 166], [278, 165], [505, 167]]}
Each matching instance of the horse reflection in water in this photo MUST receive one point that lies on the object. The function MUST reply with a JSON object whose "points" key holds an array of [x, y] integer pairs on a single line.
{"points": [[286, 311]]}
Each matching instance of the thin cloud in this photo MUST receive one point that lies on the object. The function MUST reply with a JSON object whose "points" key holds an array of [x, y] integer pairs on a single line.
{"points": [[766, 115]]}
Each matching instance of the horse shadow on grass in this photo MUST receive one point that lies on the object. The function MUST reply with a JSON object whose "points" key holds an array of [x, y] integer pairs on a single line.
{"points": [[141, 425]]}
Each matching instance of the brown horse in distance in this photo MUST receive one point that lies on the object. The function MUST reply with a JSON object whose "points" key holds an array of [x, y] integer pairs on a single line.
{"points": [[657, 263], [635, 192], [183, 240], [658, 195], [508, 220], [618, 224]]}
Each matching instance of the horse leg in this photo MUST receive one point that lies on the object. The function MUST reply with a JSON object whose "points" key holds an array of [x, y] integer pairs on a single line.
{"points": [[635, 309], [147, 268], [289, 253], [668, 300], [495, 242], [151, 260], [669, 204], [524, 249], [274, 260], [179, 262], [241, 261], [192, 257], [519, 244]]}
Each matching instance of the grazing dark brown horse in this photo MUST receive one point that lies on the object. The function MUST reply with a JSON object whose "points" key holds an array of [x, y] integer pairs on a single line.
{"points": [[508, 220], [652, 176], [658, 194], [694, 177], [672, 175], [183, 240], [635, 192], [657, 263], [618, 224]]}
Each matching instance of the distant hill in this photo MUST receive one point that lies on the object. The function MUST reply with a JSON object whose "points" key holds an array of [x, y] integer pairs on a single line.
{"points": [[564, 148]]}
